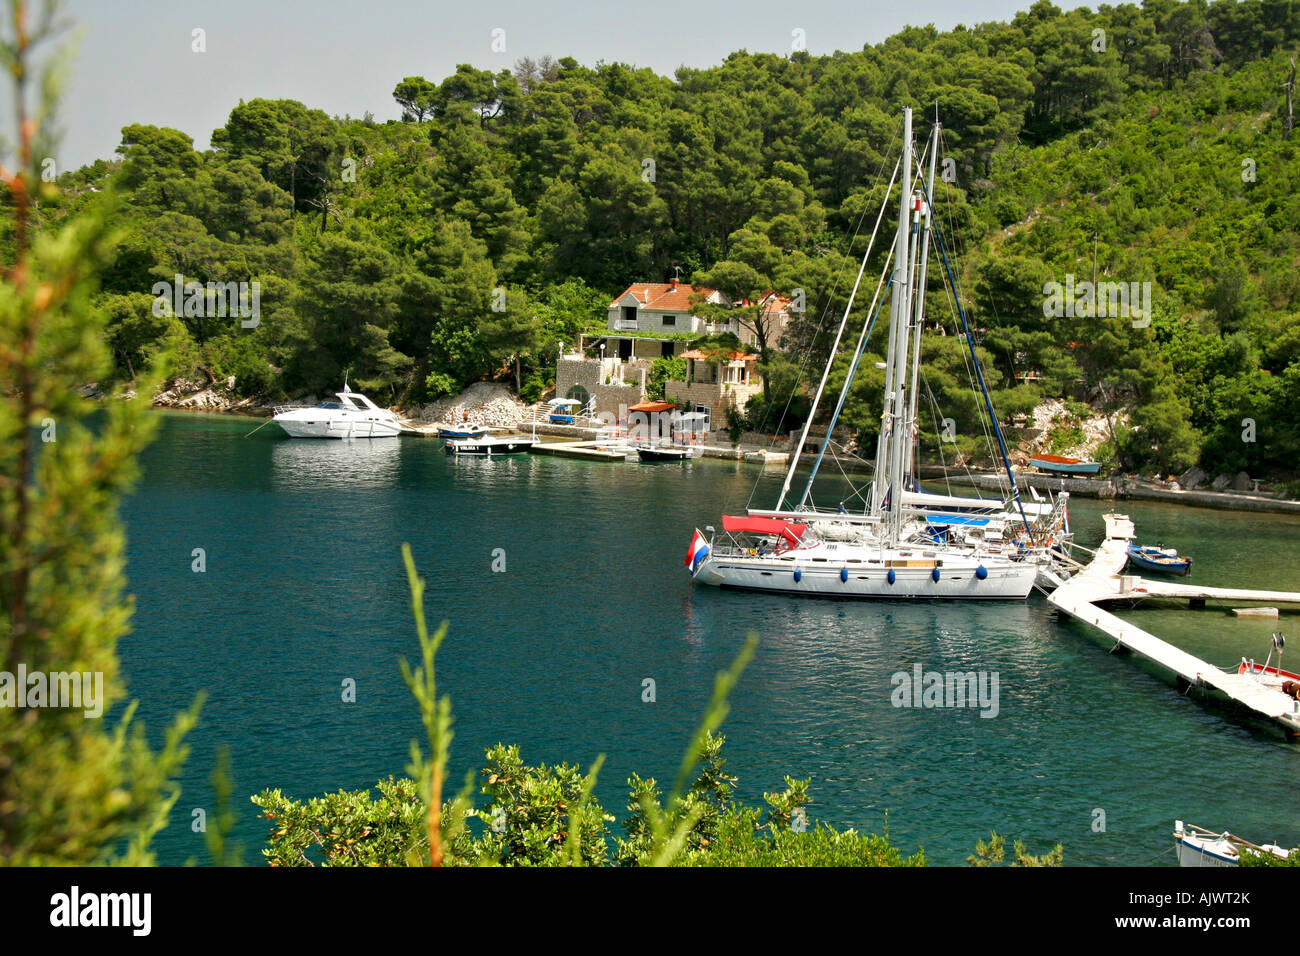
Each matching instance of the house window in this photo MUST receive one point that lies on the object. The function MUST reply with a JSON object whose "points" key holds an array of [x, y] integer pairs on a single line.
{"points": [[707, 412], [629, 314], [669, 321]]}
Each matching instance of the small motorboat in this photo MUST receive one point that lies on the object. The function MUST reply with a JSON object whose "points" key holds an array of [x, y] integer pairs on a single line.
{"points": [[1197, 846], [1271, 675], [352, 416], [654, 453], [489, 446], [1159, 559], [1058, 465], [464, 430]]}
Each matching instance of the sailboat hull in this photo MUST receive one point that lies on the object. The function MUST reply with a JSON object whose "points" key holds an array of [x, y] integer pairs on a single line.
{"points": [[1002, 583]]}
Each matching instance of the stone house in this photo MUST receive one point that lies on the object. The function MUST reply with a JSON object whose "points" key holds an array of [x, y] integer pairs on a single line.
{"points": [[650, 320]]}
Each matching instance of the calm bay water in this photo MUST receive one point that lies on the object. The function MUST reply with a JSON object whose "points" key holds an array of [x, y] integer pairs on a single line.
{"points": [[305, 588]]}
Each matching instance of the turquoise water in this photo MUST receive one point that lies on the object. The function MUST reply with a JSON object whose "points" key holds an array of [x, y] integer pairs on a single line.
{"points": [[304, 588]]}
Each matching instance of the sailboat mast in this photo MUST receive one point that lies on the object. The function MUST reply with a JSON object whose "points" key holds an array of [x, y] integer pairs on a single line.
{"points": [[900, 315], [839, 334], [927, 211]]}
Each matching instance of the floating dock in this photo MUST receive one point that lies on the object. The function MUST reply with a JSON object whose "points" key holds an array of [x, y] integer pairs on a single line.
{"points": [[1101, 582], [579, 449]]}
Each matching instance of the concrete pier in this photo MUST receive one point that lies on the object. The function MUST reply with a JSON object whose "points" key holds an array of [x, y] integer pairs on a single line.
{"points": [[1101, 582]]}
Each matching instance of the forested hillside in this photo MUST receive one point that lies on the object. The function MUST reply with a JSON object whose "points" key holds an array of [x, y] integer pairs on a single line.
{"points": [[498, 218]]}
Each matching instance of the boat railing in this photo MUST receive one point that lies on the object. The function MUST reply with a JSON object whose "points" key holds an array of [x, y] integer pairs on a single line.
{"points": [[750, 544], [296, 407]]}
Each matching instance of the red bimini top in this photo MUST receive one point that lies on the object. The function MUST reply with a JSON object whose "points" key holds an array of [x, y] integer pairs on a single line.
{"points": [[788, 530]]}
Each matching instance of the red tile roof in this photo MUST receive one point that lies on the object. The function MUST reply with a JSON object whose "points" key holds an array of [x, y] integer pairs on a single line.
{"points": [[772, 302], [663, 296]]}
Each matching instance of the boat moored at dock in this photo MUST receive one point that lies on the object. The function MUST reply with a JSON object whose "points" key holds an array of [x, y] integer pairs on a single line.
{"points": [[657, 453], [905, 543], [490, 446], [466, 429], [1159, 560], [352, 416]]}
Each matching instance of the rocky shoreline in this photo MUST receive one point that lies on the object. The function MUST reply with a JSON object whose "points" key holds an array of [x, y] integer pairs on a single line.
{"points": [[494, 406], [484, 402]]}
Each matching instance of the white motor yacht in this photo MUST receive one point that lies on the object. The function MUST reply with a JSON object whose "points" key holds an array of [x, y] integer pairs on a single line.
{"points": [[352, 416]]}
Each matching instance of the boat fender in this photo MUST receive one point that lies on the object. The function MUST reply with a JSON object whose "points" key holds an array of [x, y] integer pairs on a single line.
{"points": [[981, 572], [891, 577], [844, 575], [935, 574], [798, 574]]}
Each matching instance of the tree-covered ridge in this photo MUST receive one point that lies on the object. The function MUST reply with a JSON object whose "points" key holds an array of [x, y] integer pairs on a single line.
{"points": [[499, 218]]}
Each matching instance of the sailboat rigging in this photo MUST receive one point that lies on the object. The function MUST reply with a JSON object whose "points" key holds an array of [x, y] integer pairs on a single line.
{"points": [[906, 543]]}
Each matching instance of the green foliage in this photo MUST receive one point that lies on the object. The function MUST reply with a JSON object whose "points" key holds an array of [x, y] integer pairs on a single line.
{"points": [[383, 247], [1249, 857], [735, 424], [994, 852], [662, 371], [539, 816], [79, 785], [347, 828]]}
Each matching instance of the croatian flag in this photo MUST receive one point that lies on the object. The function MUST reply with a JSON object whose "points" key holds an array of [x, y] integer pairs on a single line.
{"points": [[697, 552]]}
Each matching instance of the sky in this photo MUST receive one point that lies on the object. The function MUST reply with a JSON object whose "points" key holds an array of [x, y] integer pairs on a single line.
{"points": [[134, 61]]}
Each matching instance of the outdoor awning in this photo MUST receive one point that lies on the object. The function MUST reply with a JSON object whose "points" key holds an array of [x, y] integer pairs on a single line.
{"points": [[957, 519], [700, 355], [651, 407], [789, 530]]}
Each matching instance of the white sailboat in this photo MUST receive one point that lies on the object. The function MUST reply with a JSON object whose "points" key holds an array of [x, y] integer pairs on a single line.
{"points": [[352, 416], [906, 543]]}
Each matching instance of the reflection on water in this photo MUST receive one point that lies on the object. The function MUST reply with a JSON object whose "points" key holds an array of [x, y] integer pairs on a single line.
{"points": [[296, 462], [550, 649]]}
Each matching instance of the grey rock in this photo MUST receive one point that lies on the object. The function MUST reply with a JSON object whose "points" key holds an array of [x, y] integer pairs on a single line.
{"points": [[1222, 482], [1241, 482], [1192, 478]]}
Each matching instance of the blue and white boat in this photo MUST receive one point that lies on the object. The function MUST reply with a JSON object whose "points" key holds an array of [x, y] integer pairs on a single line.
{"points": [[564, 411], [1159, 560], [466, 429]]}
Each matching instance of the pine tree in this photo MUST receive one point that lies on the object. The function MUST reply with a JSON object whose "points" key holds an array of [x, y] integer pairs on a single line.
{"points": [[73, 789]]}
